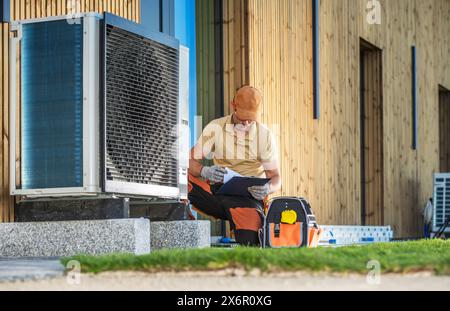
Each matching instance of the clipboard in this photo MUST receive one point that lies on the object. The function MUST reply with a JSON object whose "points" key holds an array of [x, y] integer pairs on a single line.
{"points": [[237, 186]]}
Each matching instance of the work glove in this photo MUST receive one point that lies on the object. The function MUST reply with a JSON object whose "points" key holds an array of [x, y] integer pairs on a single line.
{"points": [[214, 174], [260, 192]]}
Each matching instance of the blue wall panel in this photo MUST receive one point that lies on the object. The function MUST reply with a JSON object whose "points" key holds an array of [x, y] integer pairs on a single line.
{"points": [[4, 13], [185, 31], [414, 99], [158, 15], [316, 58], [150, 14]]}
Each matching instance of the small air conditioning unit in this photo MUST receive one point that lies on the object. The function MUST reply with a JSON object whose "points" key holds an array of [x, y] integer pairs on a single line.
{"points": [[99, 107], [441, 201]]}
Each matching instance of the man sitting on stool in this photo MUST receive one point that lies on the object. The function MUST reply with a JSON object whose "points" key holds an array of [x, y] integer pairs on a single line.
{"points": [[241, 143]]}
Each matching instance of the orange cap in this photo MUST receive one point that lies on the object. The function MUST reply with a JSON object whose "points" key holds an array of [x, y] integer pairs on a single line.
{"points": [[247, 103]]}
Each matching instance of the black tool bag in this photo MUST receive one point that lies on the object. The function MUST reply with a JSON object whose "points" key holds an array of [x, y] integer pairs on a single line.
{"points": [[289, 223]]}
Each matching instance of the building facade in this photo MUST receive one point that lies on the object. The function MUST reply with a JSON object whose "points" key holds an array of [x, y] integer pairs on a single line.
{"points": [[383, 79], [356, 89]]}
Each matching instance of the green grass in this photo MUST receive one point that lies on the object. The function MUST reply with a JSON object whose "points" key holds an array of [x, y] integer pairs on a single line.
{"points": [[393, 257]]}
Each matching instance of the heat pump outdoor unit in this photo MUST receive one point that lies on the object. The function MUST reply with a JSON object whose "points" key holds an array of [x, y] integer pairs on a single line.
{"points": [[441, 201], [99, 107]]}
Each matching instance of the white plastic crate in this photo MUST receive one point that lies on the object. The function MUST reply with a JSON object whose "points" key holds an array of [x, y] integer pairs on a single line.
{"points": [[441, 201], [354, 235]]}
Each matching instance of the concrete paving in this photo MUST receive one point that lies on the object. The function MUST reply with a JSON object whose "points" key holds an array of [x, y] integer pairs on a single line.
{"points": [[222, 281], [24, 269]]}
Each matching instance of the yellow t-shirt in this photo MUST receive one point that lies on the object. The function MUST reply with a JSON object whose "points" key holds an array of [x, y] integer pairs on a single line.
{"points": [[248, 153]]}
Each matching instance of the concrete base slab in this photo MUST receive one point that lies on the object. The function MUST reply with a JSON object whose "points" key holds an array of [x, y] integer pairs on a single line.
{"points": [[68, 238], [180, 234]]}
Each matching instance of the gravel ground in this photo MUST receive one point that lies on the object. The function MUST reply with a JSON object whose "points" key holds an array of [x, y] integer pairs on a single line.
{"points": [[232, 280]]}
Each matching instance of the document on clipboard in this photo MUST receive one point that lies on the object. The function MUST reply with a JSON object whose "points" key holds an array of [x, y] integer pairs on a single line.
{"points": [[230, 174], [237, 185]]}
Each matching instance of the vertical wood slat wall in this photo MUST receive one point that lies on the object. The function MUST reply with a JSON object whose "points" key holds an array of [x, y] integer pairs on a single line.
{"points": [[209, 104], [6, 202], [444, 130], [321, 159], [208, 69], [235, 44], [26, 9]]}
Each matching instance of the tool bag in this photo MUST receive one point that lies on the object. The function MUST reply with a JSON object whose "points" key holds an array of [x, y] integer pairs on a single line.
{"points": [[289, 223]]}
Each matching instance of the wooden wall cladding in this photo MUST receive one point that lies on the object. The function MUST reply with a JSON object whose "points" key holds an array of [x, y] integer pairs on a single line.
{"points": [[321, 158]]}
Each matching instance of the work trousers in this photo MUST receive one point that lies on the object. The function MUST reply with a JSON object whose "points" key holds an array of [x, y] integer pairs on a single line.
{"points": [[244, 214]]}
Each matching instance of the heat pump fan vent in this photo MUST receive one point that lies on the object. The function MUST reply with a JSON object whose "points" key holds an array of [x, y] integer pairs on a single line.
{"points": [[141, 110]]}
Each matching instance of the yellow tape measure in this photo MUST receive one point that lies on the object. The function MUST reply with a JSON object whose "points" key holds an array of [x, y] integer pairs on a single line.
{"points": [[289, 217]]}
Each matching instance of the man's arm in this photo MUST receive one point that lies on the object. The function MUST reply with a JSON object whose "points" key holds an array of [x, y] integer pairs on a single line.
{"points": [[275, 180], [195, 167], [274, 185], [202, 149], [214, 173], [271, 163]]}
